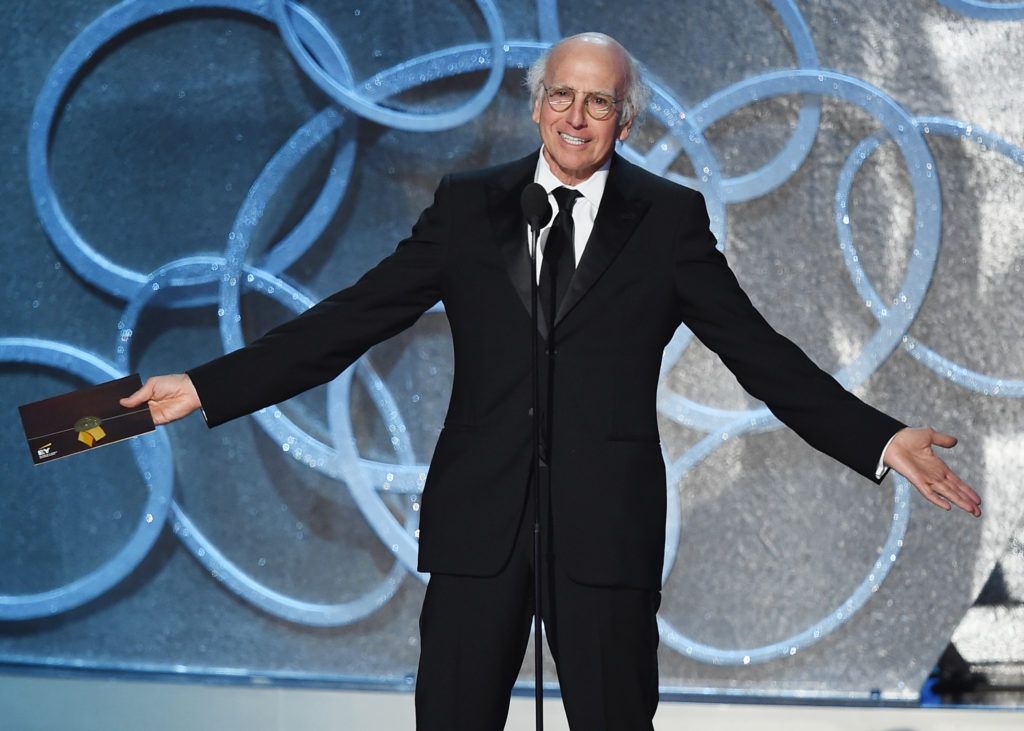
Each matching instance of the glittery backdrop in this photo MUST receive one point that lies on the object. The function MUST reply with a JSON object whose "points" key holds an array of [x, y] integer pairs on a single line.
{"points": [[182, 175]]}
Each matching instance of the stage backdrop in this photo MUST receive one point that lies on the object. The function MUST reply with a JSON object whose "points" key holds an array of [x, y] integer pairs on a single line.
{"points": [[181, 175]]}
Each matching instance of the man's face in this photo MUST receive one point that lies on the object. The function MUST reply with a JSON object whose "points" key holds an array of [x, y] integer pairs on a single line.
{"points": [[576, 144]]}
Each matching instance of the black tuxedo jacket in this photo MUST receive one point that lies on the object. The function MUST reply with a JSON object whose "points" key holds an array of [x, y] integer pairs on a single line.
{"points": [[650, 264]]}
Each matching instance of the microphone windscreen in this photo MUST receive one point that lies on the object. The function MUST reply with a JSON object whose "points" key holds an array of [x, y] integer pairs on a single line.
{"points": [[536, 208]]}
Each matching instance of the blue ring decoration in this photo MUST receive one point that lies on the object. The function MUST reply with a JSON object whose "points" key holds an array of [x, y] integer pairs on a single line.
{"points": [[958, 374], [797, 147], [222, 568], [90, 264], [894, 318], [356, 103], [410, 476], [986, 10], [723, 190], [340, 461], [278, 426], [314, 614], [405, 480], [687, 137], [802, 640], [400, 540], [152, 454], [296, 242], [547, 21]]}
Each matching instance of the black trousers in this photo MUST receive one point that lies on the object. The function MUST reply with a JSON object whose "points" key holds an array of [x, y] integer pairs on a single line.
{"points": [[474, 632]]}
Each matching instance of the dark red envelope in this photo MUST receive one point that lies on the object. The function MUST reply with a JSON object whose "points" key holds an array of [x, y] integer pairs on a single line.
{"points": [[84, 420]]}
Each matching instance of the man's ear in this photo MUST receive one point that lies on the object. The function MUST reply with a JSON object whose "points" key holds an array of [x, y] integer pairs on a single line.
{"points": [[535, 115], [624, 130]]}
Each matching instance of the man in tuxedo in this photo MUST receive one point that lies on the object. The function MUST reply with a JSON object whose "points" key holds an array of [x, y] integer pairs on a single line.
{"points": [[626, 259]]}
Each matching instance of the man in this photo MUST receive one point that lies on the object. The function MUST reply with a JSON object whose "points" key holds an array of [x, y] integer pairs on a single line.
{"points": [[635, 258]]}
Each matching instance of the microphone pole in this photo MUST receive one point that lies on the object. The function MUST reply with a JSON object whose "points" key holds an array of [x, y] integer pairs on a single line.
{"points": [[537, 211]]}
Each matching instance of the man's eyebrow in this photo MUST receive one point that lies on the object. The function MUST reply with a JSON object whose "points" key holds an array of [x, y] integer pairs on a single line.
{"points": [[600, 92]]}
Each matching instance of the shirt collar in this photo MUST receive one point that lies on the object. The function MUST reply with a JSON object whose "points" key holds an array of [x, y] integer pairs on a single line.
{"points": [[592, 189]]}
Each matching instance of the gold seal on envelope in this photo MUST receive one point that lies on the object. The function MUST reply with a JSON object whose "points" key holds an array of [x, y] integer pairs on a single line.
{"points": [[89, 430]]}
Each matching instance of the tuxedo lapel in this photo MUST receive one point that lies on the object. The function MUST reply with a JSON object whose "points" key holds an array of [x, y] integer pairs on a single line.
{"points": [[509, 227], [616, 220]]}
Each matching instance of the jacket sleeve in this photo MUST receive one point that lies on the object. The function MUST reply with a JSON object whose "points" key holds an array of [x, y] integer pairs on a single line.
{"points": [[316, 346], [768, 365]]}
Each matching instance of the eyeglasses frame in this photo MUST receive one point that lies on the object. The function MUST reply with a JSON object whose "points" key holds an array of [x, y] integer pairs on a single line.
{"points": [[586, 97]]}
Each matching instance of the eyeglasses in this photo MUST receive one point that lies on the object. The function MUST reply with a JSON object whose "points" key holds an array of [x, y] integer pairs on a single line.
{"points": [[599, 106]]}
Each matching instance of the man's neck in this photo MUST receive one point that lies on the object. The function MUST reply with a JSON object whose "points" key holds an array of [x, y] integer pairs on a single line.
{"points": [[592, 189], [574, 178]]}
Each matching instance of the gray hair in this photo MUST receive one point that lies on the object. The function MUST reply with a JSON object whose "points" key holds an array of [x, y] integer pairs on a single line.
{"points": [[634, 99]]}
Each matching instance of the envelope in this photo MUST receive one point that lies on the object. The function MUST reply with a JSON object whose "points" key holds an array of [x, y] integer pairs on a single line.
{"points": [[83, 420]]}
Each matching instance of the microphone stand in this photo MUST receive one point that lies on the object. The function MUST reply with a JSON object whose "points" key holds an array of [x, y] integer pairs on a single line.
{"points": [[536, 211], [538, 650]]}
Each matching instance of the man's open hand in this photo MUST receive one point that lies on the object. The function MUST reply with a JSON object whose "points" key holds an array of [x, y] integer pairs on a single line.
{"points": [[910, 453], [170, 397]]}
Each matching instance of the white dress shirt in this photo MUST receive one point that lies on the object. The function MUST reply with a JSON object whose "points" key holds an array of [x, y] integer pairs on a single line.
{"points": [[584, 212]]}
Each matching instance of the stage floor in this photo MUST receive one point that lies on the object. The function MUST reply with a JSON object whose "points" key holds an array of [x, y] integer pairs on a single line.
{"points": [[44, 703]]}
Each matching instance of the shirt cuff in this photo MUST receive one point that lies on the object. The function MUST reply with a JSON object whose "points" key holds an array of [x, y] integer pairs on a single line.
{"points": [[202, 410], [882, 470]]}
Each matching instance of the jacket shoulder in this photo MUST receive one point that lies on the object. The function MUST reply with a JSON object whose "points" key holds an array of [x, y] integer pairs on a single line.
{"points": [[642, 183], [506, 173]]}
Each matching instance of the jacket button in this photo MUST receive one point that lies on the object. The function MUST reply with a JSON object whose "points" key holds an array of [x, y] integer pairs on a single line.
{"points": [[529, 411]]}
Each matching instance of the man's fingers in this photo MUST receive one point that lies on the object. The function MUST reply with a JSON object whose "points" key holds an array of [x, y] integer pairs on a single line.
{"points": [[945, 491], [967, 490], [971, 501], [171, 397], [140, 396], [932, 496], [943, 440], [955, 489], [959, 500], [959, 492], [948, 488]]}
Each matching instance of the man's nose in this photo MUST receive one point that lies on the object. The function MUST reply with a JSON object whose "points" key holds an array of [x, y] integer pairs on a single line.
{"points": [[576, 115]]}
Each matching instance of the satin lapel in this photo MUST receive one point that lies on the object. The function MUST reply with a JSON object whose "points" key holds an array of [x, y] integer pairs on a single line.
{"points": [[616, 220], [509, 227]]}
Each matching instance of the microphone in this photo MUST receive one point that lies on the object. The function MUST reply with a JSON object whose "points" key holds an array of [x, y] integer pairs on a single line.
{"points": [[536, 208]]}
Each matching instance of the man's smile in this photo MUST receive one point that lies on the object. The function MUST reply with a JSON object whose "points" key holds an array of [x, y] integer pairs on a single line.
{"points": [[571, 139]]}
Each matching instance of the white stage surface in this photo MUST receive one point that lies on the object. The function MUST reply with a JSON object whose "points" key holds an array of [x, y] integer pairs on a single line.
{"points": [[37, 703]]}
